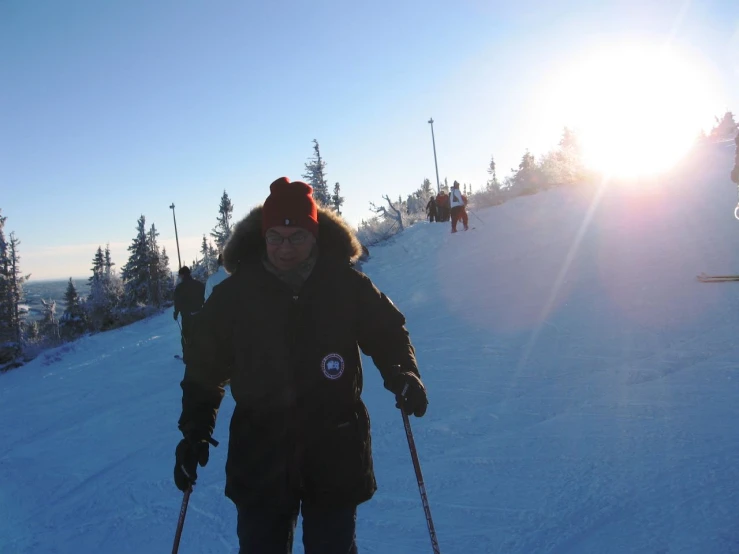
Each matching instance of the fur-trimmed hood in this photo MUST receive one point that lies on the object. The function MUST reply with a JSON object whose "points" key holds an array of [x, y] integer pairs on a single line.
{"points": [[335, 239]]}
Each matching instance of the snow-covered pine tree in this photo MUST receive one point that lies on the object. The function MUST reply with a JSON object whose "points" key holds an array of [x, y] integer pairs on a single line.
{"points": [[154, 297], [49, 326], [336, 199], [201, 268], [315, 175], [74, 319], [106, 292], [108, 263], [96, 303], [31, 331], [726, 127], [98, 266], [564, 165], [166, 280], [222, 231], [135, 273], [7, 335], [426, 190], [527, 178], [213, 255], [492, 184], [13, 295], [207, 261]]}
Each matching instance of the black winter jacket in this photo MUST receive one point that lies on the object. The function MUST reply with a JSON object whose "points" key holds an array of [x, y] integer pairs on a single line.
{"points": [[299, 429], [189, 296]]}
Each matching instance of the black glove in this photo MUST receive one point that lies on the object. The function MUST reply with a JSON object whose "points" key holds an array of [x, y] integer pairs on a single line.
{"points": [[175, 316], [410, 394], [189, 453]]}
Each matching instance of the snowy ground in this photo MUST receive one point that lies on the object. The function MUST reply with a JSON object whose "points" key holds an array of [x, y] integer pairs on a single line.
{"points": [[583, 390]]}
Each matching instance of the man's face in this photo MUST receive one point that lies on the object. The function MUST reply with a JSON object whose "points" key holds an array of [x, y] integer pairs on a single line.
{"points": [[288, 247]]}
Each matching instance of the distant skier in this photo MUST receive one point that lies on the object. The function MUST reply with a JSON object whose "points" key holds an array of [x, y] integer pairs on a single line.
{"points": [[442, 207], [189, 295], [216, 278], [431, 209], [286, 330], [458, 202]]}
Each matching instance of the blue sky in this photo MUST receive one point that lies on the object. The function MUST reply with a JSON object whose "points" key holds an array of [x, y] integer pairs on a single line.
{"points": [[109, 110]]}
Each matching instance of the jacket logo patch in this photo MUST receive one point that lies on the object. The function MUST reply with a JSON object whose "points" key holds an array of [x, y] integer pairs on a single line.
{"points": [[333, 366]]}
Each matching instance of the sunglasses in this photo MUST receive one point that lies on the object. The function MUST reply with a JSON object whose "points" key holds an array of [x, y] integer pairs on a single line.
{"points": [[296, 239]]}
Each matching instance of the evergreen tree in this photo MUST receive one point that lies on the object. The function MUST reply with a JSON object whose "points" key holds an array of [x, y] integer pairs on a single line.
{"points": [[426, 191], [32, 332], [106, 292], [213, 255], [204, 267], [74, 319], [222, 231], [98, 267], [337, 200], [492, 184], [166, 280], [15, 291], [136, 272], [7, 335], [154, 293], [726, 127], [315, 174], [527, 178], [108, 264], [564, 165], [49, 326]]}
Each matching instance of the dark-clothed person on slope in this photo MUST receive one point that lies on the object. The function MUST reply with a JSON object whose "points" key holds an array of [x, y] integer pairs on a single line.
{"points": [[286, 330], [189, 295]]}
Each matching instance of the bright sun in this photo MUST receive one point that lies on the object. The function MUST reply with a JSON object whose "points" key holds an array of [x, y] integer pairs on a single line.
{"points": [[637, 108]]}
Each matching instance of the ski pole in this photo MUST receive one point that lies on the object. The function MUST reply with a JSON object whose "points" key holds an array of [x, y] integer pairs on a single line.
{"points": [[181, 521], [478, 217], [419, 478], [180, 326]]}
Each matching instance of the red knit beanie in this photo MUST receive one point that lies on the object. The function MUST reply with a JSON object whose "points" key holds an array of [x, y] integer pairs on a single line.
{"points": [[290, 205]]}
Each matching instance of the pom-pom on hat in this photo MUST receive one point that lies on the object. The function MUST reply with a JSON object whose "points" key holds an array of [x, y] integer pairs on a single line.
{"points": [[290, 204]]}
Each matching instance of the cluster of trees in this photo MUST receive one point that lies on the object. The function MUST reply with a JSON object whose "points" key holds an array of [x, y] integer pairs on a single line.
{"points": [[204, 266], [561, 166], [145, 285], [725, 128], [315, 176]]}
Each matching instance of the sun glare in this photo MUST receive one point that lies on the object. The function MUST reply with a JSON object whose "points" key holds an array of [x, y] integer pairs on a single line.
{"points": [[638, 109]]}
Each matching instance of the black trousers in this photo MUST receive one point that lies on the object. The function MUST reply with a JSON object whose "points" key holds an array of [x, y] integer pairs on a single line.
{"points": [[459, 213], [324, 532], [187, 325]]}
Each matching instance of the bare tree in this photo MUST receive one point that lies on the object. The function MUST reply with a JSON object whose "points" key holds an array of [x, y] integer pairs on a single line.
{"points": [[394, 213]]}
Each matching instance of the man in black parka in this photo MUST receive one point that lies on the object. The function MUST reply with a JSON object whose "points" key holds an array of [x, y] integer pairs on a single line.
{"points": [[189, 295], [286, 330]]}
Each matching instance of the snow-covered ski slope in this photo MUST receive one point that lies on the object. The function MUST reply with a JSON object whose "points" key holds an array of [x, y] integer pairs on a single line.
{"points": [[583, 385]]}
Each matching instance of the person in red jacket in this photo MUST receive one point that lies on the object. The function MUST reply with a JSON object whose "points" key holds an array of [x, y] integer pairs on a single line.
{"points": [[458, 202]]}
